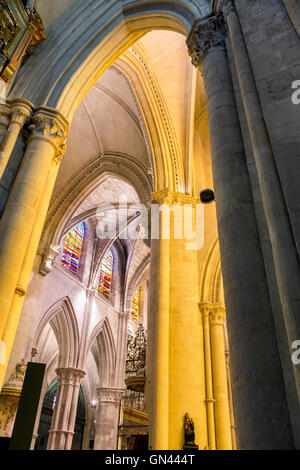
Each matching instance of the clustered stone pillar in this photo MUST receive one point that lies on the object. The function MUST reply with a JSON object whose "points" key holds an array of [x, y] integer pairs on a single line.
{"points": [[24, 215], [286, 258], [262, 417], [107, 420], [19, 113], [64, 416]]}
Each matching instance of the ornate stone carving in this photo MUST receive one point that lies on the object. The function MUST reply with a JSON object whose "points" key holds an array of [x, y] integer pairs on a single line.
{"points": [[216, 312], [49, 124], [218, 316], [69, 376], [223, 6], [204, 36], [20, 111], [15, 382], [50, 253], [136, 352]]}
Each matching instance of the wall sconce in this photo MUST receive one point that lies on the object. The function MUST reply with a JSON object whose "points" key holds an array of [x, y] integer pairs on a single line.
{"points": [[207, 196]]}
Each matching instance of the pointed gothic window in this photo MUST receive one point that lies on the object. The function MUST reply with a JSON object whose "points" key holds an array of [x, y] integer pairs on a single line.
{"points": [[135, 305], [72, 248], [106, 274]]}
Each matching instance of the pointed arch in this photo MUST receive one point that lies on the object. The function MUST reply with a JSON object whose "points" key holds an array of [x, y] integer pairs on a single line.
{"points": [[62, 319], [102, 334], [211, 287], [89, 177], [91, 42]]}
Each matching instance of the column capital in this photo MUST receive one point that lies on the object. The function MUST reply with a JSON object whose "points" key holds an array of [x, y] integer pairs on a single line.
{"points": [[224, 7], [69, 375], [218, 315], [216, 312], [204, 36], [124, 315], [20, 111], [110, 395], [168, 197], [50, 125]]}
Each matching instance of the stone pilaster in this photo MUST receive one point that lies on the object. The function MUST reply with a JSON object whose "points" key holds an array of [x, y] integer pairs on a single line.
{"points": [[256, 369], [64, 416], [107, 420]]}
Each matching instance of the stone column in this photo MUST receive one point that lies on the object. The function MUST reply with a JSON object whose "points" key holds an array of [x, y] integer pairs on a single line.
{"points": [[24, 276], [45, 146], [209, 400], [285, 255], [107, 420], [157, 374], [293, 9], [222, 414], [64, 416], [262, 422], [20, 112], [176, 382], [121, 350]]}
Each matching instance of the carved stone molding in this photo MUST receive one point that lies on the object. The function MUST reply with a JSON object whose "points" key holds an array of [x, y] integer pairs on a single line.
{"points": [[20, 290], [110, 395], [50, 253], [204, 36]]}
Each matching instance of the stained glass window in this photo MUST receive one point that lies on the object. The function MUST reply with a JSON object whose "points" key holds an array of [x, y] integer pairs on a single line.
{"points": [[135, 305], [72, 248], [106, 273]]}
